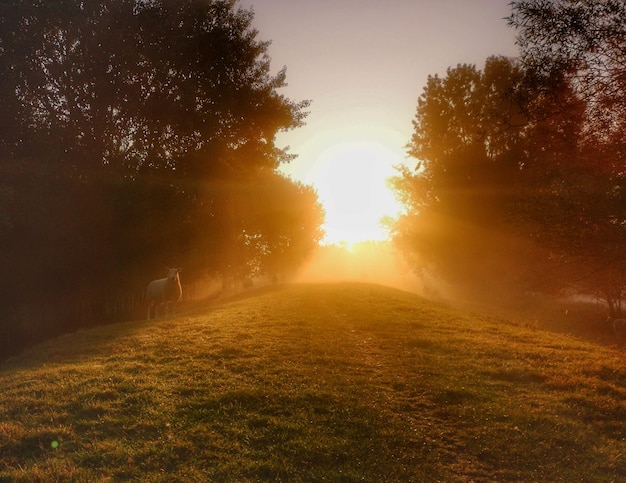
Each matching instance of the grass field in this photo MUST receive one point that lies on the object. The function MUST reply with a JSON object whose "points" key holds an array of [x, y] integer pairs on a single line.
{"points": [[335, 382]]}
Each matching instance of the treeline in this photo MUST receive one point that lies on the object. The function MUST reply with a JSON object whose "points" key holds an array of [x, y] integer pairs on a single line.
{"points": [[134, 135], [520, 178]]}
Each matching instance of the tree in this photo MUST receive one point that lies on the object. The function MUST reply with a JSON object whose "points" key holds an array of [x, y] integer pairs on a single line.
{"points": [[284, 221], [259, 223], [144, 86], [525, 160], [583, 45], [127, 129], [507, 172], [586, 42], [467, 131]]}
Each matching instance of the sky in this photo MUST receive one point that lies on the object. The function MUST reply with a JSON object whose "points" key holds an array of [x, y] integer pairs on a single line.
{"points": [[363, 64]]}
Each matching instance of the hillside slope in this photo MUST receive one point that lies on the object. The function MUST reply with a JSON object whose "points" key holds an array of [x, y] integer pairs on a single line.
{"points": [[337, 382]]}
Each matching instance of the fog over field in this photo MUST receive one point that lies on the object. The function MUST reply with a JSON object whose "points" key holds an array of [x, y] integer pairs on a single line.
{"points": [[371, 262]]}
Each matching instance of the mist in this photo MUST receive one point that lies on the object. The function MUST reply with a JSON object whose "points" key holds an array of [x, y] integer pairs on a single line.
{"points": [[377, 262]]}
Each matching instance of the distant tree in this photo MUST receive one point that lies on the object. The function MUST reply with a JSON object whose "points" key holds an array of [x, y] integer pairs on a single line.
{"points": [[260, 223], [284, 221]]}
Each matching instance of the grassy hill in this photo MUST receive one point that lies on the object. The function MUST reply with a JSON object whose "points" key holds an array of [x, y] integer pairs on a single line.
{"points": [[337, 382]]}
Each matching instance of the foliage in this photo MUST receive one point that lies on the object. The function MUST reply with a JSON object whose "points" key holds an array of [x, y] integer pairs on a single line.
{"points": [[583, 45], [339, 382], [269, 224], [132, 131], [468, 133], [586, 41], [144, 86], [512, 192]]}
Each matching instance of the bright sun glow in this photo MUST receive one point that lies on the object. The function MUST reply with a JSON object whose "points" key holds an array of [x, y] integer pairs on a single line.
{"points": [[351, 180]]}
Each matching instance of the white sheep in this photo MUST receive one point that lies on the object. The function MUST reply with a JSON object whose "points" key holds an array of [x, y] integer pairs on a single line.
{"points": [[164, 291]]}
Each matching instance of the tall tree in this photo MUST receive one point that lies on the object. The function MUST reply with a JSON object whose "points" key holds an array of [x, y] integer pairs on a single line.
{"points": [[467, 129], [508, 172], [584, 45], [126, 128]]}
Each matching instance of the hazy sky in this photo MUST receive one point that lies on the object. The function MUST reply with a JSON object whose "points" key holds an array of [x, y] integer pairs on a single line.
{"points": [[363, 64]]}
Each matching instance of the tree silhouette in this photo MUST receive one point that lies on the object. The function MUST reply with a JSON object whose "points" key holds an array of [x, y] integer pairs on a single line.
{"points": [[145, 86], [586, 42], [583, 45], [466, 131], [131, 137], [508, 172]]}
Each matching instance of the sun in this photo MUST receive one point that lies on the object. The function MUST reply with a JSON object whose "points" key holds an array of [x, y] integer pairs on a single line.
{"points": [[351, 181]]}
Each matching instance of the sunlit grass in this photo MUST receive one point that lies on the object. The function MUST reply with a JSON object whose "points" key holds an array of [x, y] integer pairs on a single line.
{"points": [[316, 382]]}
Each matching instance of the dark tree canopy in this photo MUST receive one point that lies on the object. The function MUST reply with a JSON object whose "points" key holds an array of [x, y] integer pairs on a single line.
{"points": [[142, 86], [584, 41], [466, 122], [583, 45], [136, 134]]}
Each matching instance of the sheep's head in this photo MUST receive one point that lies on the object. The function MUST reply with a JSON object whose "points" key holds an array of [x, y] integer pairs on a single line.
{"points": [[172, 273]]}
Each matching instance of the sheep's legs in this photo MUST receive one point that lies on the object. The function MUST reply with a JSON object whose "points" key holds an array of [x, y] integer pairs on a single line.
{"points": [[156, 311], [167, 311]]}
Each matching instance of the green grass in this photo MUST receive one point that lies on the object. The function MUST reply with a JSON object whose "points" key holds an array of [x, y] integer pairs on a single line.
{"points": [[340, 382]]}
